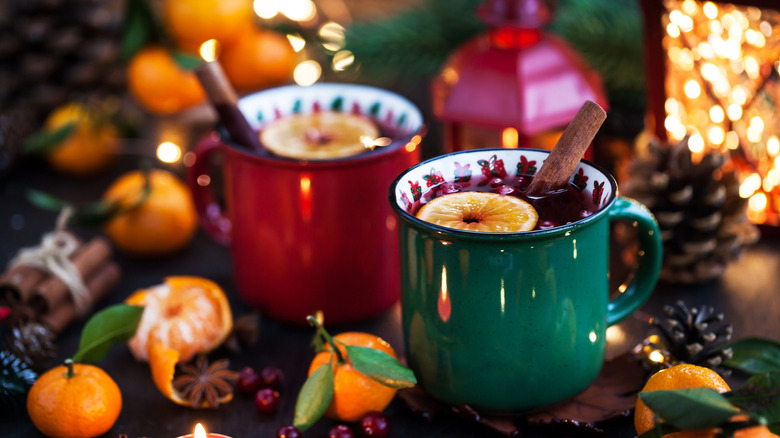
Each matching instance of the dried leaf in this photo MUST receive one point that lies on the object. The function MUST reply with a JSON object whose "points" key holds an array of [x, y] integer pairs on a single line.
{"points": [[613, 393]]}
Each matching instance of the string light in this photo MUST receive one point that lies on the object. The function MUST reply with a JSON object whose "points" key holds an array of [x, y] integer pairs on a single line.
{"points": [[720, 92]]}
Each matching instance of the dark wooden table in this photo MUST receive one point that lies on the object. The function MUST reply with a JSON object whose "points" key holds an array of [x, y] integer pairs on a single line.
{"points": [[747, 294]]}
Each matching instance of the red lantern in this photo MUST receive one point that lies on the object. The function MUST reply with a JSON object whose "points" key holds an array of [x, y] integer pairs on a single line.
{"points": [[514, 86]]}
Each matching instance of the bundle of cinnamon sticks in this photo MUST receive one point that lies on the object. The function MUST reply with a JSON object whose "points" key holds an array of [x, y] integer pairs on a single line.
{"points": [[45, 298]]}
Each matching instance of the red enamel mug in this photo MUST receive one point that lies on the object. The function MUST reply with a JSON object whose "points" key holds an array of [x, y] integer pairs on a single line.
{"points": [[308, 235]]}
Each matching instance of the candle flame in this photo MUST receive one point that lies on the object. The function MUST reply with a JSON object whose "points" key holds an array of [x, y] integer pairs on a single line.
{"points": [[208, 50], [200, 431]]}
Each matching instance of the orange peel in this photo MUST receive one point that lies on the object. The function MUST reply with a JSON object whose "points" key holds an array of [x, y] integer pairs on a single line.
{"points": [[162, 362]]}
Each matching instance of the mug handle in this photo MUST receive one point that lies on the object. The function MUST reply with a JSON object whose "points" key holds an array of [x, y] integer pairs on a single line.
{"points": [[640, 287], [212, 218]]}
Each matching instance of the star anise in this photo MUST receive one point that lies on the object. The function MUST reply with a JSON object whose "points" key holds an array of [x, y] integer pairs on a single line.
{"points": [[204, 385]]}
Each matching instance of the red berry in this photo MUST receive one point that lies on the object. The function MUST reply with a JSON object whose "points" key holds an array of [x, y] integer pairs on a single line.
{"points": [[248, 381], [341, 431], [288, 432], [267, 401], [495, 182], [375, 424], [507, 191], [585, 213], [447, 189], [544, 225], [522, 182], [271, 377]]}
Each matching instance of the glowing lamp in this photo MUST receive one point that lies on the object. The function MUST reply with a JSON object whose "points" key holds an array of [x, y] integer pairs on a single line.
{"points": [[514, 86], [712, 72]]}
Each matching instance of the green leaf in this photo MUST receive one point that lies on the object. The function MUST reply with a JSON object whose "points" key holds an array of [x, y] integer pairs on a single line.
{"points": [[314, 398], [185, 61], [755, 355], [690, 408], [381, 367], [110, 326], [45, 139], [138, 28], [760, 395], [45, 201], [93, 213]]}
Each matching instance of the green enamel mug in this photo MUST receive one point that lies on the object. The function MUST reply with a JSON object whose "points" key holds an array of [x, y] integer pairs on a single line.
{"points": [[507, 322]]}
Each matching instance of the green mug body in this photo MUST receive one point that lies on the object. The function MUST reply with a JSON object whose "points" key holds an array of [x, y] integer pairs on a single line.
{"points": [[507, 322]]}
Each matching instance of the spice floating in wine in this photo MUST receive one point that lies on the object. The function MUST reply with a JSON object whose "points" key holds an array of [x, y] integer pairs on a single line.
{"points": [[321, 135], [501, 206]]}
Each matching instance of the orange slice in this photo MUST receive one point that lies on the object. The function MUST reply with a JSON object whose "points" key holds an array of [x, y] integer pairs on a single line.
{"points": [[480, 211], [320, 135], [190, 315], [162, 361]]}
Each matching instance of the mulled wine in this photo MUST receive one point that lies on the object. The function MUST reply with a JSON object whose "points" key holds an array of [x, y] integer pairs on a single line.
{"points": [[556, 209]]}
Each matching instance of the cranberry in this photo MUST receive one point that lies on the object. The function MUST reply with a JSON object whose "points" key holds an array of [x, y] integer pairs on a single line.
{"points": [[248, 381], [545, 224], [585, 213], [522, 182], [267, 401], [375, 424], [447, 189], [507, 191], [495, 182], [341, 431], [288, 432], [271, 377]]}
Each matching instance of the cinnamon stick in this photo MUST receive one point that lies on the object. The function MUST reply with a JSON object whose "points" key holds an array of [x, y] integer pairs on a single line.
{"points": [[99, 284], [225, 101], [17, 284], [53, 292], [560, 165]]}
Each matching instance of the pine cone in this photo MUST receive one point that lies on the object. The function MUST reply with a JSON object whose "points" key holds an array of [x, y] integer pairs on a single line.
{"points": [[32, 343], [16, 378], [693, 336], [52, 51], [698, 208]]}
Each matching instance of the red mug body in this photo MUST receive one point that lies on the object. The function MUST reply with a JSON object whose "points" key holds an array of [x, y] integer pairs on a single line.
{"points": [[310, 235]]}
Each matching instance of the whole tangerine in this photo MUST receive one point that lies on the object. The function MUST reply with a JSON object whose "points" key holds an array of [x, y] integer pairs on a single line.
{"points": [[192, 22], [162, 223], [354, 393], [89, 148], [677, 377], [259, 59], [160, 85], [74, 401]]}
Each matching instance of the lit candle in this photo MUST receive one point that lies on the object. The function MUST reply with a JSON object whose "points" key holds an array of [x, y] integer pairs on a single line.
{"points": [[200, 432]]}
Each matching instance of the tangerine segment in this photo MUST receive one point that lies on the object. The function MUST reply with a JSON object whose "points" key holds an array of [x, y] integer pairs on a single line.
{"points": [[354, 393], [480, 211], [84, 405], [320, 135], [677, 377], [188, 314]]}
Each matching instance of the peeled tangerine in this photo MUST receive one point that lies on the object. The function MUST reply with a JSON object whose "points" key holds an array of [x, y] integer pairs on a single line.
{"points": [[480, 211], [189, 315], [320, 135]]}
